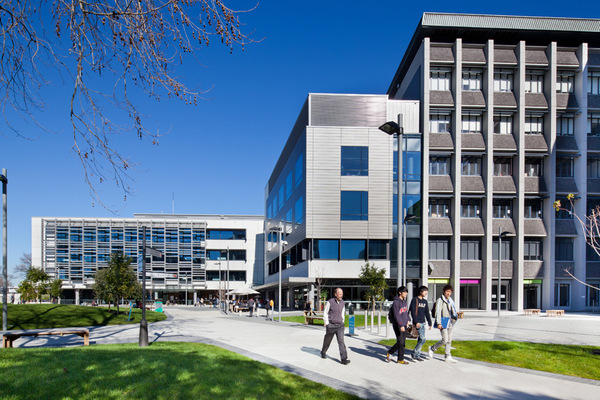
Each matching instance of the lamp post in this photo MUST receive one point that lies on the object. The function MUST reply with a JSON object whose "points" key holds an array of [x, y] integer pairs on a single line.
{"points": [[397, 128], [143, 340], [4, 180], [499, 295], [227, 283]]}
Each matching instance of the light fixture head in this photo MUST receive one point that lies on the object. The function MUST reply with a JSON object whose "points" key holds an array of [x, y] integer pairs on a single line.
{"points": [[391, 127]]}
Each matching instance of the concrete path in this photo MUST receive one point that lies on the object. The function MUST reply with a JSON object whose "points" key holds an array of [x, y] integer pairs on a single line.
{"points": [[296, 348]]}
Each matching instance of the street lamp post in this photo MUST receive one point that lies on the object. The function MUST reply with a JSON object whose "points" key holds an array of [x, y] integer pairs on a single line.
{"points": [[227, 278], [143, 340], [405, 220], [4, 179], [397, 128]]}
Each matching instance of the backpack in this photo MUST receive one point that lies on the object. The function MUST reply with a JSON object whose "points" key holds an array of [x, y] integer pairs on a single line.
{"points": [[433, 309], [391, 316]]}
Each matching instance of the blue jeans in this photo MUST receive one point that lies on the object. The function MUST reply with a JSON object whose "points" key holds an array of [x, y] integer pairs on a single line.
{"points": [[420, 342]]}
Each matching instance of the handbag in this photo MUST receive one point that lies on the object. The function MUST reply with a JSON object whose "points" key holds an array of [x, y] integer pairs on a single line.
{"points": [[414, 332]]}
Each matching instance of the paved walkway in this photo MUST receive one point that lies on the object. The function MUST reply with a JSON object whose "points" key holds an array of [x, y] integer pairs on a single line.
{"points": [[295, 348]]}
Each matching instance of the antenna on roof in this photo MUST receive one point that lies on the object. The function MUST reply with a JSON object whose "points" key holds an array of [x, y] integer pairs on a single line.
{"points": [[173, 202]]}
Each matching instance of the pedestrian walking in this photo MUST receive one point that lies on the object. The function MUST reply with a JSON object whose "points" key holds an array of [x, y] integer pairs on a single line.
{"points": [[446, 315], [333, 319], [399, 323], [251, 307], [420, 316]]}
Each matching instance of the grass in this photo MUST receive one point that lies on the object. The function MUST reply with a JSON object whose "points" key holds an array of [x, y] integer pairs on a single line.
{"points": [[359, 320], [572, 360], [164, 370], [39, 316]]}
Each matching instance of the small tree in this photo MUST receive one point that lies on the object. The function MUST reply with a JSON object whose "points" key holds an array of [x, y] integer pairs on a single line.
{"points": [[56, 289], [117, 281], [34, 285], [374, 278]]}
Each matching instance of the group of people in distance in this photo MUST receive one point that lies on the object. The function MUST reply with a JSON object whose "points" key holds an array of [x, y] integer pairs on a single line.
{"points": [[444, 312]]}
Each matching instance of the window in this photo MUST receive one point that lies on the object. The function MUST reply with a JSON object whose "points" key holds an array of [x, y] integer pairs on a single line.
{"points": [[502, 166], [439, 165], [533, 208], [378, 249], [354, 206], [353, 249], [355, 160], [469, 208], [534, 81], [593, 168], [281, 198], [564, 167], [593, 125], [564, 81], [564, 249], [439, 123], [471, 123], [299, 170], [503, 79], [299, 210], [533, 167], [228, 234], [565, 125], [325, 249], [503, 124], [288, 186], [439, 208], [471, 79], [440, 79], [533, 250], [502, 208], [470, 249], [562, 294], [592, 294], [471, 166], [506, 249], [438, 249], [594, 82], [534, 124]]}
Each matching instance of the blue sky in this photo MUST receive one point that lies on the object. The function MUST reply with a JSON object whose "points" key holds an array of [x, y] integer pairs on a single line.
{"points": [[217, 156]]}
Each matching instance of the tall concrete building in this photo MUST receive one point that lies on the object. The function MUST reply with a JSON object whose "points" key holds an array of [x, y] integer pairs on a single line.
{"points": [[509, 111], [201, 254], [507, 121]]}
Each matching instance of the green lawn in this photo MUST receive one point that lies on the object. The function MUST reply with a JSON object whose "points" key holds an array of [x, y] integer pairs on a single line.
{"points": [[164, 370], [38, 316], [359, 320], [573, 360]]}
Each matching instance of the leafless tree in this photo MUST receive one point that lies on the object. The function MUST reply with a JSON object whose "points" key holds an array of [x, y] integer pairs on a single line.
{"points": [[103, 48], [590, 224], [23, 266]]}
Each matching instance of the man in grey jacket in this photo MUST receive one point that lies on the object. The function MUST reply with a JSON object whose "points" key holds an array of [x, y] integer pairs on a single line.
{"points": [[446, 315], [333, 319]]}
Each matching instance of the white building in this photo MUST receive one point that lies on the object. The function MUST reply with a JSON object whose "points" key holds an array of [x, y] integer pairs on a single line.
{"points": [[195, 248]]}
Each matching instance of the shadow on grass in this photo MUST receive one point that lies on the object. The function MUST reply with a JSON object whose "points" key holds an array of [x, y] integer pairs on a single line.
{"points": [[160, 371]]}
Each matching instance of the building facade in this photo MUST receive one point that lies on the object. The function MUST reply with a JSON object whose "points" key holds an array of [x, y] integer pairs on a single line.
{"points": [[509, 111], [331, 196], [201, 254]]}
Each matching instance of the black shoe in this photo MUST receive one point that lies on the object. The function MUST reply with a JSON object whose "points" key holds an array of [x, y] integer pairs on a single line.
{"points": [[323, 355], [346, 361]]}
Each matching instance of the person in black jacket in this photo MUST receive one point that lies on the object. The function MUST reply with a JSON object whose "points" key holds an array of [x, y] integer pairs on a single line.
{"points": [[419, 313], [400, 322]]}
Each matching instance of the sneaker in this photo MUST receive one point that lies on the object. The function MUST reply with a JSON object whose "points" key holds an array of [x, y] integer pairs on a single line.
{"points": [[430, 352], [449, 359], [419, 359], [346, 361], [323, 355], [403, 362], [387, 357]]}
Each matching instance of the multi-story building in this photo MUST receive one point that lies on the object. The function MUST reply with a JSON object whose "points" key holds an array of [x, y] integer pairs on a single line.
{"points": [[508, 121], [509, 111], [201, 254], [331, 195]]}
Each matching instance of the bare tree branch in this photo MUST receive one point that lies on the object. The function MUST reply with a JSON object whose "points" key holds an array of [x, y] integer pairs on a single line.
{"points": [[138, 42]]}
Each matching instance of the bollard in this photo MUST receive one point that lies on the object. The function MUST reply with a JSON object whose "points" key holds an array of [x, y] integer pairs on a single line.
{"points": [[366, 316], [379, 322]]}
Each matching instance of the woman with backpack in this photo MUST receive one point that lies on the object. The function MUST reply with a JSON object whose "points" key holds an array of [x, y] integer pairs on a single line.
{"points": [[445, 314]]}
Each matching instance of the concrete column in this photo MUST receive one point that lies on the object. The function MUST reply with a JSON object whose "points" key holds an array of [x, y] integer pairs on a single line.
{"points": [[424, 124], [195, 297], [77, 297], [457, 170]]}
